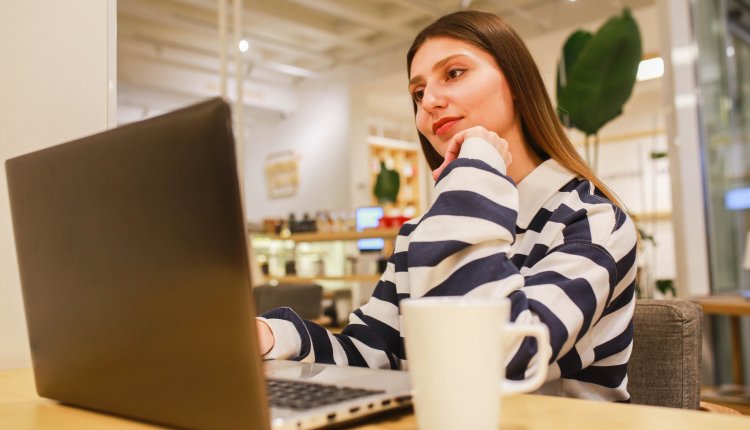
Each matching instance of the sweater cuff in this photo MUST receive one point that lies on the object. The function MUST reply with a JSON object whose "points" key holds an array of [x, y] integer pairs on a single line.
{"points": [[480, 149], [287, 341]]}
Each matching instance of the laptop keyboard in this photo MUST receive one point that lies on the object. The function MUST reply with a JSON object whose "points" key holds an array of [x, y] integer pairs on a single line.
{"points": [[306, 395]]}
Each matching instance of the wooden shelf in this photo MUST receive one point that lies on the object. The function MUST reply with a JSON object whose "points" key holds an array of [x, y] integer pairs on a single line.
{"points": [[305, 279], [384, 233], [652, 216], [404, 159], [626, 136]]}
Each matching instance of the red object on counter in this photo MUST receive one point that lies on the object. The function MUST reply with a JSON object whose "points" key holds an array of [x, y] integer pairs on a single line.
{"points": [[392, 221]]}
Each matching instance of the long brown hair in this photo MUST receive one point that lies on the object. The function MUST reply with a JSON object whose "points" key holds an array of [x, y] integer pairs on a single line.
{"points": [[540, 126]]}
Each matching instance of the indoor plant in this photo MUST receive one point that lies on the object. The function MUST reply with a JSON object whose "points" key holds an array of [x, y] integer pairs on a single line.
{"points": [[596, 75]]}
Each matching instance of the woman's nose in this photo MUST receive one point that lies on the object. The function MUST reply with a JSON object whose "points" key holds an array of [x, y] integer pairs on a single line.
{"points": [[433, 99]]}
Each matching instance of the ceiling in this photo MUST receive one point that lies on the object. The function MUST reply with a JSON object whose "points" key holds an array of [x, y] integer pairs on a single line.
{"points": [[168, 50]]}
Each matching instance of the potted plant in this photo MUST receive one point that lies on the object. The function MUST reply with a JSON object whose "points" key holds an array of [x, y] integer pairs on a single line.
{"points": [[596, 75], [387, 185]]}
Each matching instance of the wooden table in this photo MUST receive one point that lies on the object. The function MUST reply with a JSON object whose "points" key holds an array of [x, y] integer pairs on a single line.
{"points": [[734, 307], [22, 409]]}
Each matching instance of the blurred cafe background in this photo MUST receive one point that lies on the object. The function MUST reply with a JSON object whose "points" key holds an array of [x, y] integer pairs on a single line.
{"points": [[329, 155]]}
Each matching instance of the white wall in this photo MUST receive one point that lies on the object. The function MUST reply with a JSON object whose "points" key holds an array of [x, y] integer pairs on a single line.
{"points": [[318, 131], [359, 168], [54, 86]]}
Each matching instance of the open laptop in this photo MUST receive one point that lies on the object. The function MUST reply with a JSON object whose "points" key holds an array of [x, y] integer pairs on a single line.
{"points": [[134, 267]]}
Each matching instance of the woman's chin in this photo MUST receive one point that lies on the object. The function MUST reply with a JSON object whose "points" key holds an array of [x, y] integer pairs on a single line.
{"points": [[440, 146]]}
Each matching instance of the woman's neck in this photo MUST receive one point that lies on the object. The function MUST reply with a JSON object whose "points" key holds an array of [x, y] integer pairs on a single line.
{"points": [[525, 160]]}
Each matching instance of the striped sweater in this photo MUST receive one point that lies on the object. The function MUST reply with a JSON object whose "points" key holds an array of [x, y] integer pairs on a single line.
{"points": [[562, 252]]}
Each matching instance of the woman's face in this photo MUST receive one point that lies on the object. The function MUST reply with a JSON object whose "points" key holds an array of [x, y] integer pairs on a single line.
{"points": [[457, 85]]}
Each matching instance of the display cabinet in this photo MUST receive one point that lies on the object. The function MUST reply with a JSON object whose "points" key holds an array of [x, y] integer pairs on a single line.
{"points": [[404, 158], [330, 259]]}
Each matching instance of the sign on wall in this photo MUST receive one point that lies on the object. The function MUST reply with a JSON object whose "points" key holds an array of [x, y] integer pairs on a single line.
{"points": [[282, 178]]}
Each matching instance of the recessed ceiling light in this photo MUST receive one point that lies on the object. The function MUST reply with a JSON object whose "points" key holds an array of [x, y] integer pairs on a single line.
{"points": [[244, 45], [650, 69]]}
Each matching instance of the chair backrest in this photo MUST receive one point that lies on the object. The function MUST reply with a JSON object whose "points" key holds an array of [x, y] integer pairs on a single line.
{"points": [[665, 365], [304, 299]]}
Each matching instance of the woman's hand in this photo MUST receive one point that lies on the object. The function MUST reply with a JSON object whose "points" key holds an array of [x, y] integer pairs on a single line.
{"points": [[265, 336], [454, 146]]}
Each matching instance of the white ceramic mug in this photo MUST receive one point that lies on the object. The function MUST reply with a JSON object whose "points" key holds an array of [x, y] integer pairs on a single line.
{"points": [[456, 350]]}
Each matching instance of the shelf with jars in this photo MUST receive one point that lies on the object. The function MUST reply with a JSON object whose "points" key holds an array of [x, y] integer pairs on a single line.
{"points": [[329, 236]]}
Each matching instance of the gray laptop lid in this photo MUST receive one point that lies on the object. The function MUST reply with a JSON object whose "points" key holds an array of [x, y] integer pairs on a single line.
{"points": [[125, 239]]}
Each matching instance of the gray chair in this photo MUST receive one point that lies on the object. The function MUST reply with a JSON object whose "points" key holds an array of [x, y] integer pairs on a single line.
{"points": [[665, 365], [305, 299]]}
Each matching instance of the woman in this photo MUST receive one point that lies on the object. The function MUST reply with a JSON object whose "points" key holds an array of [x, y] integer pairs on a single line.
{"points": [[517, 214]]}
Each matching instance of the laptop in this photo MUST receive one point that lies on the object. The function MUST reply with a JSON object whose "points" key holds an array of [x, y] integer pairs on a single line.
{"points": [[134, 267]]}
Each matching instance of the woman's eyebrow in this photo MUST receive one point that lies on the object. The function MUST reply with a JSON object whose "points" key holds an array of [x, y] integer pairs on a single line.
{"points": [[416, 79]]}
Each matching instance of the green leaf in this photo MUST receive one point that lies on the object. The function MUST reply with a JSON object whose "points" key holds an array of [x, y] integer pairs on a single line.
{"points": [[603, 75], [666, 286], [572, 48]]}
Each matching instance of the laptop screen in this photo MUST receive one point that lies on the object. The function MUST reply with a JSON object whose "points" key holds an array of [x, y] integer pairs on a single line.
{"points": [[133, 259]]}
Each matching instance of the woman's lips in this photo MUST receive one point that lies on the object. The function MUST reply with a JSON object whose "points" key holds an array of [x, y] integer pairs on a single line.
{"points": [[444, 126]]}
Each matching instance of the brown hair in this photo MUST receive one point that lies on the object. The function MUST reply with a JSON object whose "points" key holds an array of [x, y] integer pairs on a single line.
{"points": [[539, 123]]}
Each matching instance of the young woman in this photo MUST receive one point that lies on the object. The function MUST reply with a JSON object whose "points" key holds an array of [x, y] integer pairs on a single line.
{"points": [[516, 213]]}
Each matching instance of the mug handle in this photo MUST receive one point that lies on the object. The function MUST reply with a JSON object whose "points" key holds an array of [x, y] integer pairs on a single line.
{"points": [[542, 356]]}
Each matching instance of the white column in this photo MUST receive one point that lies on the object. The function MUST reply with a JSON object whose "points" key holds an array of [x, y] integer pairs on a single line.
{"points": [[359, 168], [222, 18], [681, 106], [239, 102]]}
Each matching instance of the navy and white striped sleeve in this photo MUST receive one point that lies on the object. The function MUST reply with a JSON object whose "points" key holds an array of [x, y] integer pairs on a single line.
{"points": [[587, 273], [461, 244], [371, 339]]}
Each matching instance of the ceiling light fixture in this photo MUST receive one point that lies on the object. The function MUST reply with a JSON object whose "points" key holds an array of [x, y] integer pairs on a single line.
{"points": [[650, 69], [289, 69], [244, 45]]}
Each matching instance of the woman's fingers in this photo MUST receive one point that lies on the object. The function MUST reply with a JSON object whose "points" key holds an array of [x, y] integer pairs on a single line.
{"points": [[454, 147], [508, 158], [451, 153]]}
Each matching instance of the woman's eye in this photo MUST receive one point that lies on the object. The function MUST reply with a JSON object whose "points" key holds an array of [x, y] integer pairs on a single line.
{"points": [[455, 72], [417, 96]]}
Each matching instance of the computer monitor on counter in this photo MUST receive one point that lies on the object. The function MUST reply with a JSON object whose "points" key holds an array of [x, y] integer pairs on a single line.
{"points": [[369, 217]]}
